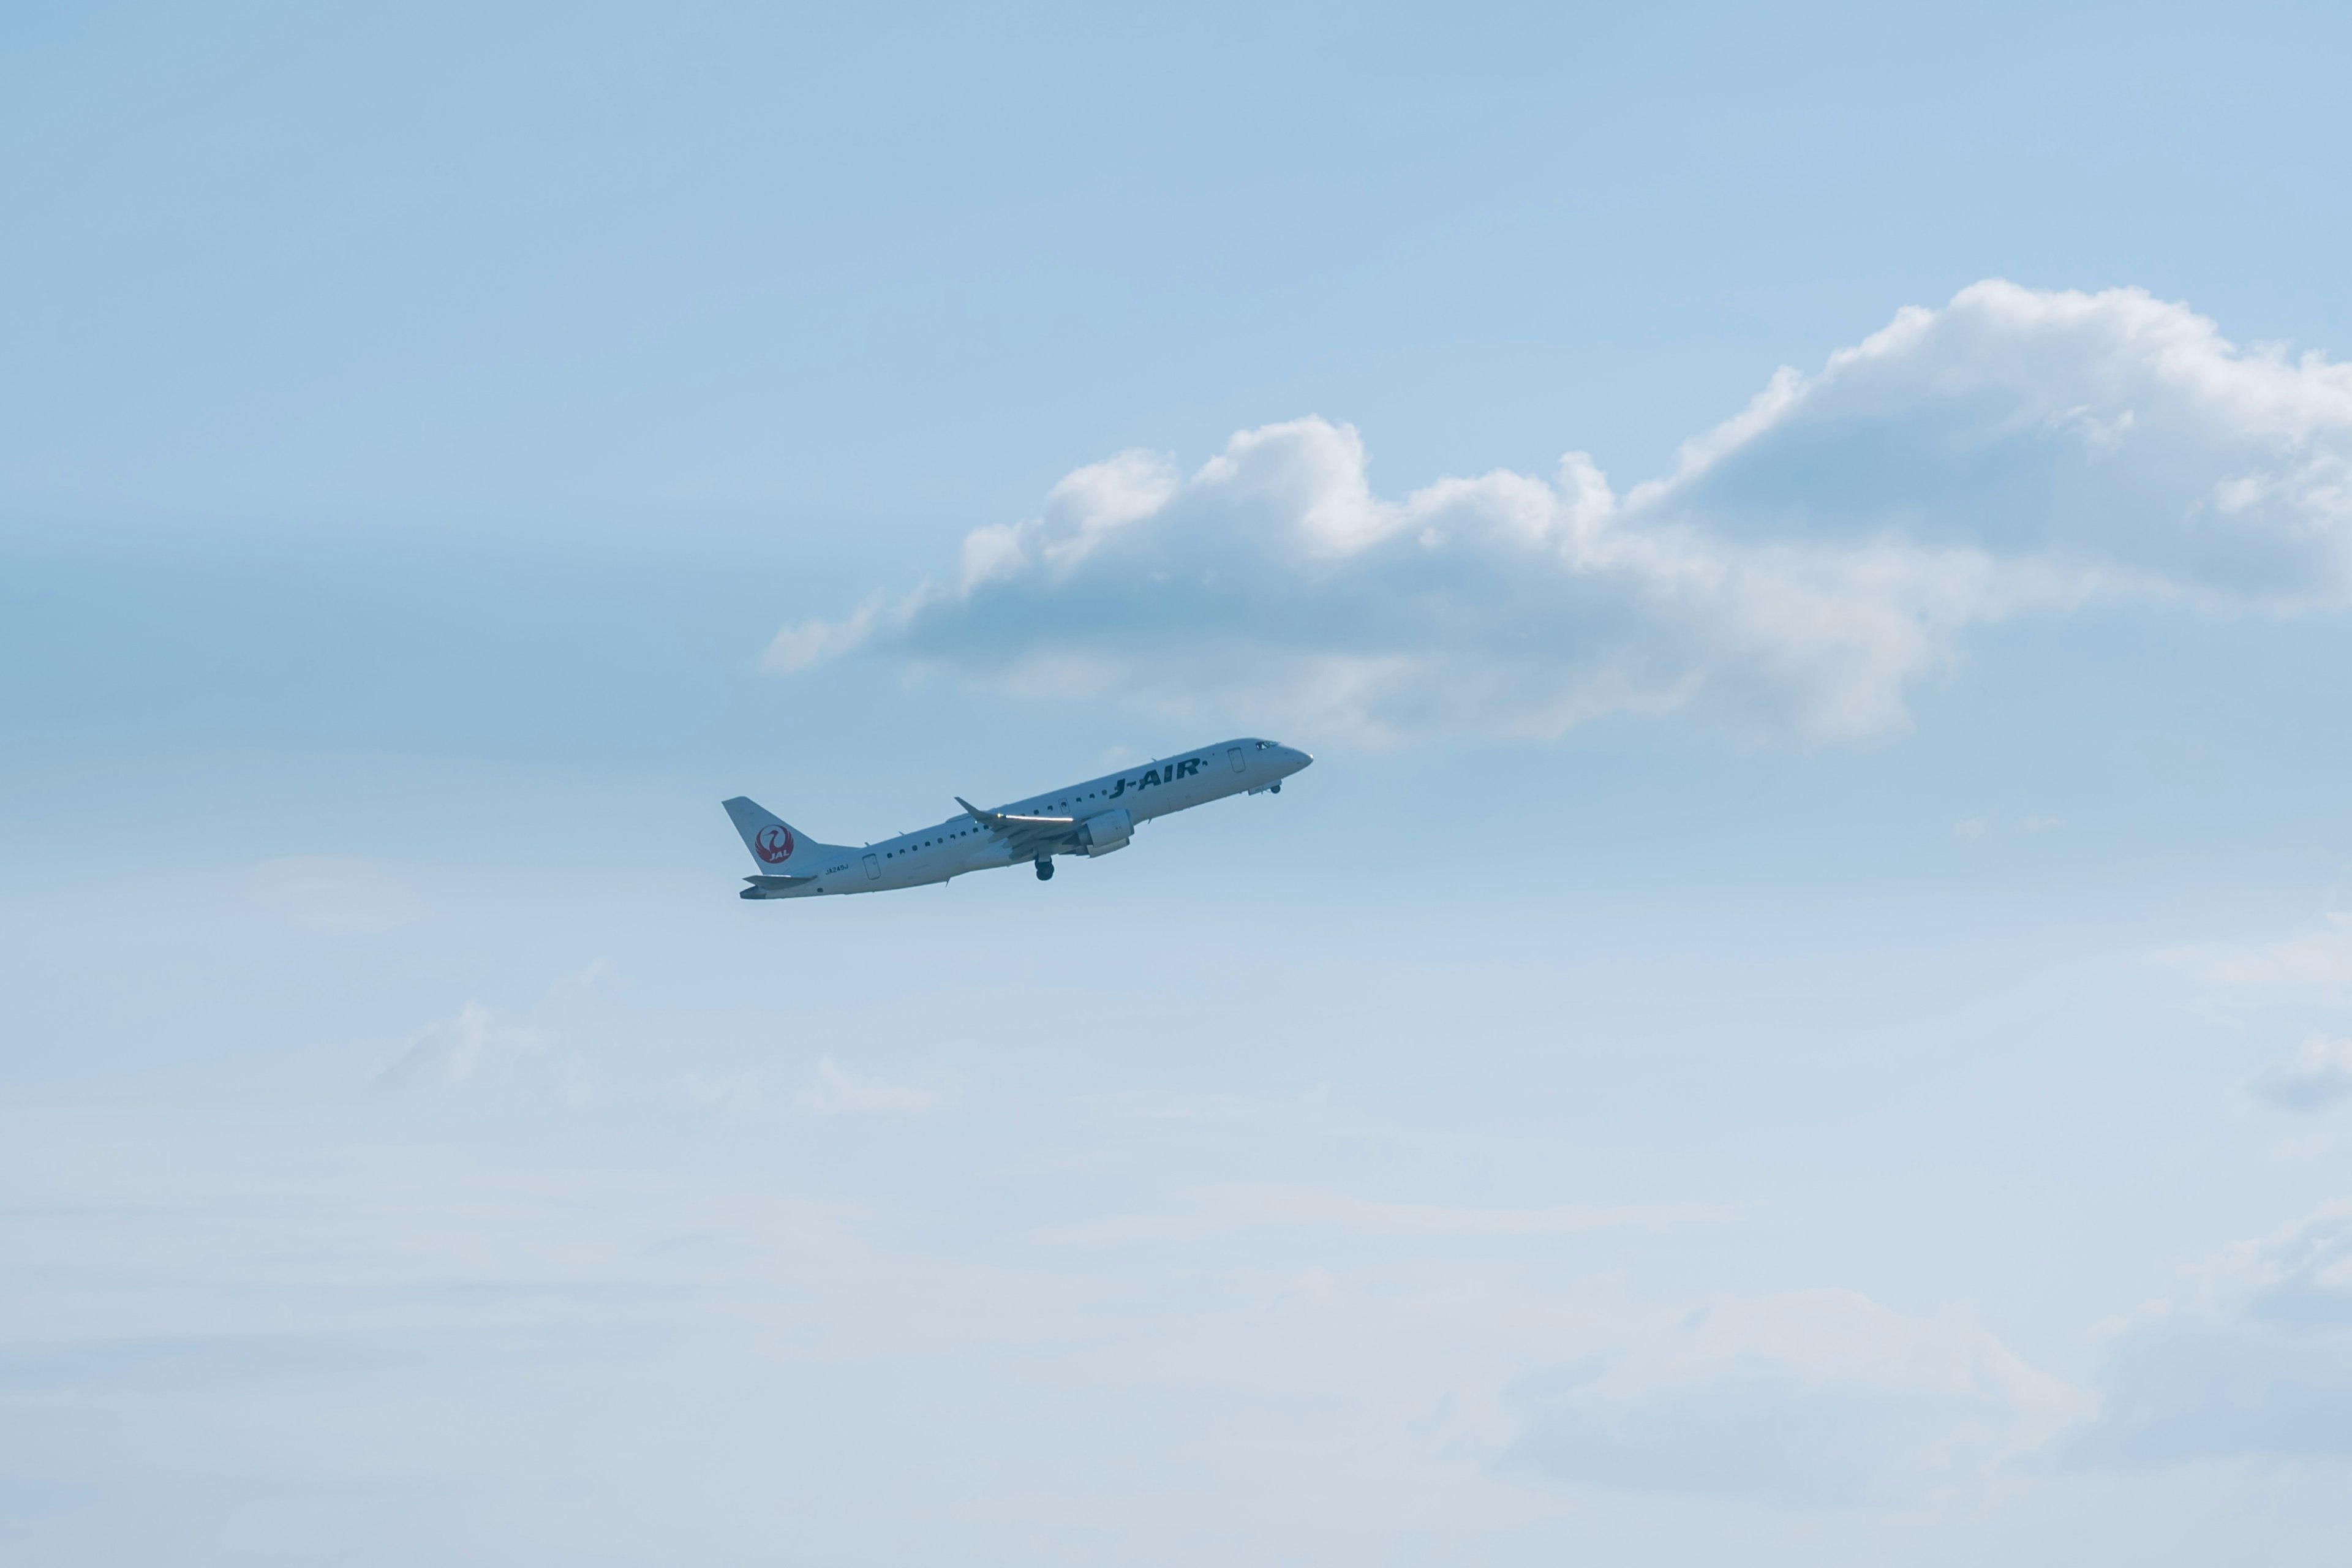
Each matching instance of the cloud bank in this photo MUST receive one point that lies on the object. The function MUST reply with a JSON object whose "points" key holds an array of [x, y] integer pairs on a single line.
{"points": [[1804, 563]]}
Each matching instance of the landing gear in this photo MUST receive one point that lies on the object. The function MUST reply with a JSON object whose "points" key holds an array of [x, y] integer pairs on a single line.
{"points": [[1274, 788], [1044, 867]]}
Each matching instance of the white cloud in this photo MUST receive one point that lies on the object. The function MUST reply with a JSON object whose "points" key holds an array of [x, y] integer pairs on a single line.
{"points": [[1814, 1398], [2253, 1357], [1805, 562], [837, 1091], [2319, 1074]]}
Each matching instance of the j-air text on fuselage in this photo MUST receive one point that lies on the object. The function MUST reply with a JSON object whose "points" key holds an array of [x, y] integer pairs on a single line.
{"points": [[1090, 818]]}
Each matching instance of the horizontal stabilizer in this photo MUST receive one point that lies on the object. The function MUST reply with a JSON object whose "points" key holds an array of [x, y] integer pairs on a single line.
{"points": [[774, 887]]}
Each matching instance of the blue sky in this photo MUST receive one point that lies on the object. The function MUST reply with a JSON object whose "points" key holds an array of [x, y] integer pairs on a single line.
{"points": [[1805, 1008]]}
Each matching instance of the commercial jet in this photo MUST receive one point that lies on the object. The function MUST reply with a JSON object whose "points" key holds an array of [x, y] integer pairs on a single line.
{"points": [[1091, 818]]}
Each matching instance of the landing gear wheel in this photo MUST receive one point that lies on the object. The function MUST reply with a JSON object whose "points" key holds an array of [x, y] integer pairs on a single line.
{"points": [[1044, 867], [1275, 788]]}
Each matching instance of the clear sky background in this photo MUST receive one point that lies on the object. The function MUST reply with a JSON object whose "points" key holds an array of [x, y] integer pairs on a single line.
{"points": [[1801, 1015]]}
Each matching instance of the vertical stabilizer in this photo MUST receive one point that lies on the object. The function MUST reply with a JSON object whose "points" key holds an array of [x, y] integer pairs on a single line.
{"points": [[773, 841]]}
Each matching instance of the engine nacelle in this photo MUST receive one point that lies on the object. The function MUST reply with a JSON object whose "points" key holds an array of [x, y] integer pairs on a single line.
{"points": [[1101, 835]]}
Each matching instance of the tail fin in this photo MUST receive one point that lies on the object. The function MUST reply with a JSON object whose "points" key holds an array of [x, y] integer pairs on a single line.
{"points": [[769, 838]]}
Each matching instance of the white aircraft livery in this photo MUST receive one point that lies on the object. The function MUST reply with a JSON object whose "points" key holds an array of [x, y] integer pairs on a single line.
{"points": [[1090, 818]]}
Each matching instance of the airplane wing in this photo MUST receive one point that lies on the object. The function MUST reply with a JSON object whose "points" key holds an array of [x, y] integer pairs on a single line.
{"points": [[1024, 836]]}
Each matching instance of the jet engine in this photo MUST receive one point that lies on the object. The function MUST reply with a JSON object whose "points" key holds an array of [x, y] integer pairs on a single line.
{"points": [[1101, 835]]}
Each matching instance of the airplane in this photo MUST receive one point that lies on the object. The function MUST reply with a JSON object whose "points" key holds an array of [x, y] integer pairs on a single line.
{"points": [[1079, 820]]}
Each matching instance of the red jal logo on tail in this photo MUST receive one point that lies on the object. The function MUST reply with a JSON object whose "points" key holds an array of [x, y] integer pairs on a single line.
{"points": [[775, 844]]}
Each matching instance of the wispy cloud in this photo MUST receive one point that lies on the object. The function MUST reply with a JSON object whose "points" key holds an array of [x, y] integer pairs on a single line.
{"points": [[335, 892], [831, 1090], [2252, 1356], [719, 1313], [1805, 562], [1809, 1399], [2307, 975], [460, 1049], [2311, 967], [734, 1093], [837, 1091], [453, 1050], [1217, 1210], [2317, 1075], [1976, 829]]}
